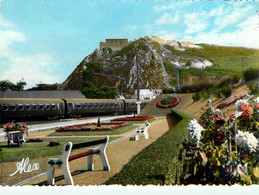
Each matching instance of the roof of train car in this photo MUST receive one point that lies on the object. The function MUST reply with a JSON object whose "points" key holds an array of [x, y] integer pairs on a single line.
{"points": [[93, 100], [30, 100]]}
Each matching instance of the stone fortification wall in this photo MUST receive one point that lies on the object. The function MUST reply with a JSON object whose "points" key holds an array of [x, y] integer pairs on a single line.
{"points": [[116, 44]]}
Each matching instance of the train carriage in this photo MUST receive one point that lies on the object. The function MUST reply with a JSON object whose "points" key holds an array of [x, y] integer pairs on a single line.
{"points": [[77, 107], [30, 108]]}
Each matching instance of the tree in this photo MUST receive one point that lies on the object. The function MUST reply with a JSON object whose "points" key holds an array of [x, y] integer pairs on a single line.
{"points": [[7, 85], [42, 86]]}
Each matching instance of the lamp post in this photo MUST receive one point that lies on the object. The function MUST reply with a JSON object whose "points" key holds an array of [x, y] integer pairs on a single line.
{"points": [[138, 84]]}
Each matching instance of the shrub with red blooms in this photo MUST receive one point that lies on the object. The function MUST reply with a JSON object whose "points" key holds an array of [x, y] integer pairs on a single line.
{"points": [[176, 102], [257, 106], [219, 139], [53, 143], [232, 117], [220, 120], [134, 118], [247, 112]]}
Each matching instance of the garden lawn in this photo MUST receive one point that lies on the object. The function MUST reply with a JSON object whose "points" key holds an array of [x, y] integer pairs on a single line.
{"points": [[161, 163], [39, 149], [82, 133]]}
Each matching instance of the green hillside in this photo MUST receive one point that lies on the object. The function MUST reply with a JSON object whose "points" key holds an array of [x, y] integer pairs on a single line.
{"points": [[223, 66]]}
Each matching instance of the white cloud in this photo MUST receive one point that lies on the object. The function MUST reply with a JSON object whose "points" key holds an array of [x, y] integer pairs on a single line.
{"points": [[33, 69], [195, 22], [167, 19], [173, 6], [15, 66], [247, 35], [228, 16]]}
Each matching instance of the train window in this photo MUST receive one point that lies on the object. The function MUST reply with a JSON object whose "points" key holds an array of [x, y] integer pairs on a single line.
{"points": [[112, 105], [13, 107], [116, 105], [34, 106], [28, 106], [5, 107], [61, 106], [53, 106], [96, 105], [47, 106], [41, 106], [102, 105], [20, 106], [84, 105], [90, 105], [78, 106], [107, 105]]}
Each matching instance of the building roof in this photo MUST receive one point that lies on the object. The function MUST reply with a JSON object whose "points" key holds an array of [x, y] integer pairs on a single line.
{"points": [[42, 94]]}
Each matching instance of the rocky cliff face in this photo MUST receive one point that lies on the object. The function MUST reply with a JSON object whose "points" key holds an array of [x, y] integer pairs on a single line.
{"points": [[108, 67]]}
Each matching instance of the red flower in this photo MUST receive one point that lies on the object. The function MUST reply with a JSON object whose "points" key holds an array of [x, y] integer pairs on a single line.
{"points": [[219, 139], [245, 155], [232, 117], [257, 106], [220, 120], [247, 112]]}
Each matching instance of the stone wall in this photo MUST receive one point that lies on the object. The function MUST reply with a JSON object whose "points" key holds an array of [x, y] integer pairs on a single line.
{"points": [[116, 44]]}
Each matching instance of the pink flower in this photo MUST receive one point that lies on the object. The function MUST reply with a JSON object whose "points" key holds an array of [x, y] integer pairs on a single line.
{"points": [[232, 117], [247, 112]]}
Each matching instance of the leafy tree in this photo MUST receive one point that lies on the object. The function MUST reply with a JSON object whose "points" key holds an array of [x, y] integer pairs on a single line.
{"points": [[91, 91], [41, 87], [7, 85]]}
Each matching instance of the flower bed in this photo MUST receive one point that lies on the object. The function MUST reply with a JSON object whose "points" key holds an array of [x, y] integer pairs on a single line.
{"points": [[173, 104], [85, 127], [134, 118], [231, 100]]}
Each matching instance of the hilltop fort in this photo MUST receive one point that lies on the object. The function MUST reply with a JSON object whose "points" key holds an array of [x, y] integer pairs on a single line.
{"points": [[116, 44]]}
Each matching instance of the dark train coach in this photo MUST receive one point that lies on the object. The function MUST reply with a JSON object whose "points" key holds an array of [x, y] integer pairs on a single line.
{"points": [[48, 108]]}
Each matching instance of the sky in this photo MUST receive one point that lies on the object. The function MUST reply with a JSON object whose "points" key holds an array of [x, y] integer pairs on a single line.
{"points": [[43, 41]]}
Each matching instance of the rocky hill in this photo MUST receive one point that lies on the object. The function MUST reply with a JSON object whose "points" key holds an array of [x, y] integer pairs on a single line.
{"points": [[159, 63]]}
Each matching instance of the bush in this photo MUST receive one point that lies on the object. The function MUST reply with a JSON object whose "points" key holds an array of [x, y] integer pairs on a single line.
{"points": [[196, 96], [226, 91], [251, 74], [254, 90]]}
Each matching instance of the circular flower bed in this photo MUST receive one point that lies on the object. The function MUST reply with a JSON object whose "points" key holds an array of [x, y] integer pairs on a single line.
{"points": [[168, 102], [93, 127]]}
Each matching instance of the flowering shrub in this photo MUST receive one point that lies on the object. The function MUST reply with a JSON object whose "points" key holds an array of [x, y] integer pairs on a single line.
{"points": [[160, 103], [195, 130], [246, 140], [15, 127], [53, 143], [216, 159]]}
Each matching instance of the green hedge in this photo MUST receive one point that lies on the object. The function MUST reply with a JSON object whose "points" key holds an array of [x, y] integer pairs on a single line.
{"points": [[160, 163]]}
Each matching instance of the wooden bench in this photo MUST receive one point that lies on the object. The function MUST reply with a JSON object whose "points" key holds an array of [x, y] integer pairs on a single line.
{"points": [[143, 130], [15, 137], [63, 161]]}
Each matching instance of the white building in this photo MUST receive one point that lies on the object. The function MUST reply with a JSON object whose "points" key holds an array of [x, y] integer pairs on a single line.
{"points": [[147, 94]]}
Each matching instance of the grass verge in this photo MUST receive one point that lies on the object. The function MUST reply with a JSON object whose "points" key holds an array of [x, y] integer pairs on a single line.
{"points": [[82, 133], [160, 163], [39, 149]]}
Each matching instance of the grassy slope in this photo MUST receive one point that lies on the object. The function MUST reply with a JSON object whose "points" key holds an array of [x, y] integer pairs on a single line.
{"points": [[226, 60], [40, 149], [159, 163]]}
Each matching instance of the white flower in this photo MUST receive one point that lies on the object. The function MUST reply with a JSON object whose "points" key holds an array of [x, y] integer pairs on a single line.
{"points": [[246, 140], [239, 103], [256, 100], [219, 112], [195, 130]]}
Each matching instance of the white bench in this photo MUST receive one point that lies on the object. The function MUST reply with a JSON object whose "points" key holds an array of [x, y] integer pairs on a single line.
{"points": [[143, 130], [62, 163]]}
